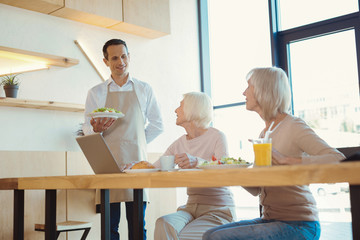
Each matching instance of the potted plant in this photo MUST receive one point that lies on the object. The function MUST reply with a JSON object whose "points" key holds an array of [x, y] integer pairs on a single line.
{"points": [[11, 85]]}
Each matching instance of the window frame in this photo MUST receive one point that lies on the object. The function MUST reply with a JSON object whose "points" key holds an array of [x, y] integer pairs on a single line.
{"points": [[204, 46], [279, 40]]}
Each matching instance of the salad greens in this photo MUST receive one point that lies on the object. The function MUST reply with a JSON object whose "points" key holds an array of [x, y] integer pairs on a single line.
{"points": [[225, 160], [106, 110]]}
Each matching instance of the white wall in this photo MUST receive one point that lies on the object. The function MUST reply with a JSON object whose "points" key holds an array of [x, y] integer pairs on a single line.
{"points": [[170, 64]]}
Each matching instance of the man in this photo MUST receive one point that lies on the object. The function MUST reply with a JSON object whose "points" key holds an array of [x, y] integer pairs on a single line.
{"points": [[126, 137]]}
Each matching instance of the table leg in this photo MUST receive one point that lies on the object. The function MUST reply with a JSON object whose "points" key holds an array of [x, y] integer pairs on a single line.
{"points": [[50, 214], [18, 231], [138, 217], [105, 214], [355, 210]]}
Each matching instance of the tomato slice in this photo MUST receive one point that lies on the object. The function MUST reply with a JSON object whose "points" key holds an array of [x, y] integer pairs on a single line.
{"points": [[213, 158]]}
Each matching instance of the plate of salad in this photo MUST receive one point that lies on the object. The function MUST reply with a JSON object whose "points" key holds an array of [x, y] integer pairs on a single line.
{"points": [[225, 162], [106, 112]]}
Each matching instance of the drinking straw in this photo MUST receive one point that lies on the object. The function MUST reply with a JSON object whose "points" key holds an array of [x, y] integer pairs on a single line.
{"points": [[267, 133]]}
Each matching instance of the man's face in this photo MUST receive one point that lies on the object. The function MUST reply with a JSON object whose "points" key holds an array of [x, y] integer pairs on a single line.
{"points": [[118, 60]]}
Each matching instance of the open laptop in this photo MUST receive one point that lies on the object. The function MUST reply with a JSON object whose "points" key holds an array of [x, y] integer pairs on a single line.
{"points": [[351, 153], [98, 154]]}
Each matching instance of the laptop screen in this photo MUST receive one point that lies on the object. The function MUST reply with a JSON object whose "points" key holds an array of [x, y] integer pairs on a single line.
{"points": [[98, 154]]}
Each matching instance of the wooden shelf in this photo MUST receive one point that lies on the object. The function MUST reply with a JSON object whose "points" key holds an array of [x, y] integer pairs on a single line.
{"points": [[41, 57], [17, 61], [45, 105]]}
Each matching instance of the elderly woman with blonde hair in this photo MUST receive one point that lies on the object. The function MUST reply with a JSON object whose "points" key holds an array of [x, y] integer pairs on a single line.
{"points": [[287, 212], [206, 207]]}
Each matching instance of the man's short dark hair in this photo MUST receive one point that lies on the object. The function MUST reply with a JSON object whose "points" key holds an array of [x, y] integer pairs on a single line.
{"points": [[113, 42]]}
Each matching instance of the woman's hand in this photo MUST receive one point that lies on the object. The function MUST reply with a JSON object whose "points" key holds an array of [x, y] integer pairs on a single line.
{"points": [[185, 160], [101, 124], [280, 159]]}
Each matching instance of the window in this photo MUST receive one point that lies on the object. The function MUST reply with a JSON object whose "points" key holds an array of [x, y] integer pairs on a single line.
{"points": [[299, 13], [314, 41], [239, 41], [232, 55], [321, 59], [325, 81]]}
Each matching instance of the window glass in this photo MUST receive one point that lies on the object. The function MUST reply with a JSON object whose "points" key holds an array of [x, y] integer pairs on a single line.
{"points": [[298, 13], [326, 87], [333, 204], [240, 125], [239, 41]]}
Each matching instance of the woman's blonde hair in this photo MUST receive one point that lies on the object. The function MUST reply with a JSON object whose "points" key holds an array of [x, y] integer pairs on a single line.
{"points": [[198, 109], [271, 89]]}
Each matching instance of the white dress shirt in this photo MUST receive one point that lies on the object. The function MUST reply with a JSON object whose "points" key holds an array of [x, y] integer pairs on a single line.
{"points": [[149, 107]]}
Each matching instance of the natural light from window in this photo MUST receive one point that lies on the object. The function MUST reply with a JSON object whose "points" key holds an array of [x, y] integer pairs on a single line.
{"points": [[298, 13], [325, 84], [326, 95], [239, 41], [326, 88]]}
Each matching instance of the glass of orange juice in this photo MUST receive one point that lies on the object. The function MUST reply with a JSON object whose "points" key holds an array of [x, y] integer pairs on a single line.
{"points": [[262, 151]]}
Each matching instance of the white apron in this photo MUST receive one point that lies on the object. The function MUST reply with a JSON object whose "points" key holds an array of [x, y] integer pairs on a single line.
{"points": [[125, 138]]}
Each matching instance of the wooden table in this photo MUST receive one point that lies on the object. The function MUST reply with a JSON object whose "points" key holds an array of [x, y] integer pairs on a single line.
{"points": [[269, 176]]}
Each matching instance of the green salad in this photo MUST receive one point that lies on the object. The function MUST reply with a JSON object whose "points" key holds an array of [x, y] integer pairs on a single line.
{"points": [[225, 160], [106, 110]]}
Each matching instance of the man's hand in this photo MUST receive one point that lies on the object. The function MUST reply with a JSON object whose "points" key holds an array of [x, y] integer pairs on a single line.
{"points": [[185, 160], [101, 124]]}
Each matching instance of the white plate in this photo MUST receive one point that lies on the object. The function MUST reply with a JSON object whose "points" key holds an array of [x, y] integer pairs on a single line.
{"points": [[172, 170], [189, 169], [144, 170], [224, 166], [182, 170], [106, 114]]}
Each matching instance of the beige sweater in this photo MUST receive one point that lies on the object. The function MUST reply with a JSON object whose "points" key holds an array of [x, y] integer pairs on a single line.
{"points": [[294, 138]]}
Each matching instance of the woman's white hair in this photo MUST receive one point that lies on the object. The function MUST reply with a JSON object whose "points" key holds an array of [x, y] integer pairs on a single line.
{"points": [[271, 89], [198, 109]]}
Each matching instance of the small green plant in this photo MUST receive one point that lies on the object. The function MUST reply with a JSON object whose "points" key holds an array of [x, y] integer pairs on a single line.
{"points": [[11, 79]]}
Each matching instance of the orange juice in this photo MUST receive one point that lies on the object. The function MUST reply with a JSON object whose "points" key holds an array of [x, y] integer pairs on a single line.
{"points": [[262, 154]]}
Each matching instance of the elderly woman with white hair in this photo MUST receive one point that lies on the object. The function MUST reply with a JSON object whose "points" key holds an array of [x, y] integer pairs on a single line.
{"points": [[287, 212], [206, 207]]}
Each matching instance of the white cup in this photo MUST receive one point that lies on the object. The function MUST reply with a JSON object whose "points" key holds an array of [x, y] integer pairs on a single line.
{"points": [[167, 163]]}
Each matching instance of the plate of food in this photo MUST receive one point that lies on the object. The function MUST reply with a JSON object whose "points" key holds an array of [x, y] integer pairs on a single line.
{"points": [[142, 167], [225, 162], [106, 112]]}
